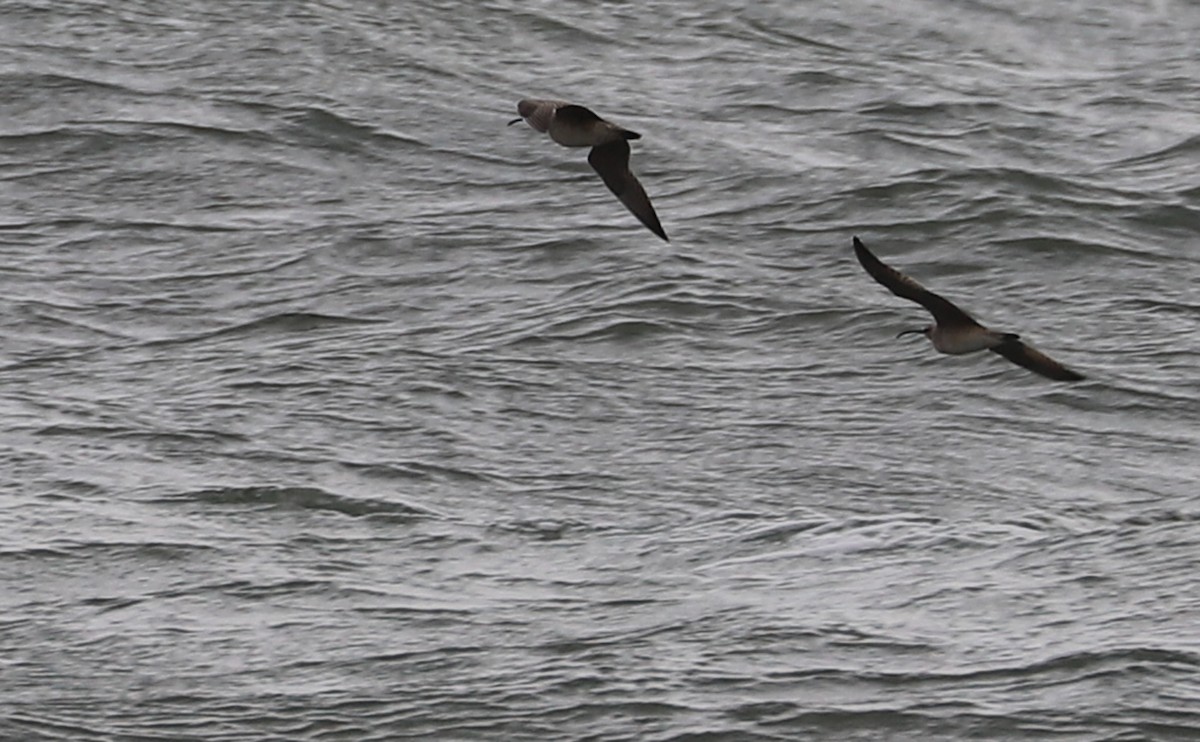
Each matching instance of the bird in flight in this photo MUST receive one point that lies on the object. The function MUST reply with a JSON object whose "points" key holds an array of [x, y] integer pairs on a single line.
{"points": [[575, 126], [954, 331]]}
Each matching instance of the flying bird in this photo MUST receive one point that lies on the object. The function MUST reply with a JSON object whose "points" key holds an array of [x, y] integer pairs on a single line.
{"points": [[954, 331], [575, 126]]}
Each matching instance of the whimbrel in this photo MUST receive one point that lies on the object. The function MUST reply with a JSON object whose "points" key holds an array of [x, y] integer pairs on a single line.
{"points": [[575, 126], [954, 331]]}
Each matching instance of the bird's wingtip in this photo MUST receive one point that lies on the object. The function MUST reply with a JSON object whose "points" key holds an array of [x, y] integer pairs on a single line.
{"points": [[651, 221]]}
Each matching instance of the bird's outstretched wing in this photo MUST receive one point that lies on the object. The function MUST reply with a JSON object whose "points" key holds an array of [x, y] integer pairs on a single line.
{"points": [[1036, 361], [943, 311], [611, 161]]}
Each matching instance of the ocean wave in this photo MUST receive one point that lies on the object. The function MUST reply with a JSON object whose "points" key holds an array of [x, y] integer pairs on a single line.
{"points": [[294, 498]]}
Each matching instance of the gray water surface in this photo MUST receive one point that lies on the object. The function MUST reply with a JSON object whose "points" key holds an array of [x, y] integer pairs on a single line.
{"points": [[332, 408]]}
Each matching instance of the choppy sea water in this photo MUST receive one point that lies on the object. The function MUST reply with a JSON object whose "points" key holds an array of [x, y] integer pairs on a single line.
{"points": [[331, 408]]}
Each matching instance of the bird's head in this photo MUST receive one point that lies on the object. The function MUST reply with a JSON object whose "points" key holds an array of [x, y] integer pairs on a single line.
{"points": [[926, 330]]}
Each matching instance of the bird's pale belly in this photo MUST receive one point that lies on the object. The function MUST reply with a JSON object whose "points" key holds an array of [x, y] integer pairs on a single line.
{"points": [[581, 136], [572, 138], [969, 340]]}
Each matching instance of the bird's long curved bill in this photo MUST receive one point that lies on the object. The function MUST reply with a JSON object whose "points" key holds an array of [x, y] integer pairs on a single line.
{"points": [[910, 332], [510, 123]]}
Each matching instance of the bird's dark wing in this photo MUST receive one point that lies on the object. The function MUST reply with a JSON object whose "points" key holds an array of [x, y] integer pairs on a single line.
{"points": [[575, 114], [611, 161], [945, 313], [1036, 361]]}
